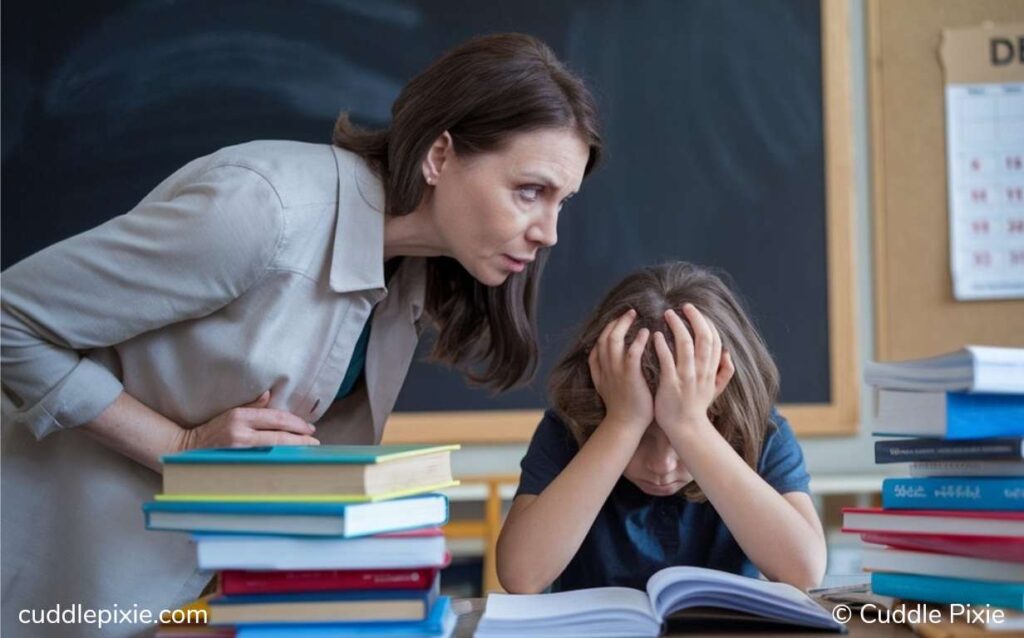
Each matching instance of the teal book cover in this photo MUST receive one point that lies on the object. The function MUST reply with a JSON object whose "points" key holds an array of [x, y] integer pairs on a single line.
{"points": [[298, 454]]}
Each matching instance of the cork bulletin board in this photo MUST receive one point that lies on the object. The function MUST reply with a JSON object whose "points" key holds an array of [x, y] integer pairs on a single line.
{"points": [[916, 314]]}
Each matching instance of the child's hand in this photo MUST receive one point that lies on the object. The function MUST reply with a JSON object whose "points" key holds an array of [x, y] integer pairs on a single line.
{"points": [[615, 370], [696, 375]]}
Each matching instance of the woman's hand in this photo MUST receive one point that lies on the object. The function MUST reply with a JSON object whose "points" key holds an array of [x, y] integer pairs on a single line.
{"points": [[615, 370], [250, 425], [697, 374]]}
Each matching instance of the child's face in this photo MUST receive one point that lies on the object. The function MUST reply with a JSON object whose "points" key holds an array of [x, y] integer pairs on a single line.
{"points": [[655, 467]]}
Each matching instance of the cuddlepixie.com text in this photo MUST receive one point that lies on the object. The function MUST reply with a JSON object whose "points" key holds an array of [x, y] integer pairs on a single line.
{"points": [[76, 614]]}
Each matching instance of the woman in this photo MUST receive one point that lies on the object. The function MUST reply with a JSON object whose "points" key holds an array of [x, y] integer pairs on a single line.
{"points": [[265, 288]]}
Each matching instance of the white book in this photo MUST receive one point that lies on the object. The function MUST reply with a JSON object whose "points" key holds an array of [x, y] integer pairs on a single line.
{"points": [[229, 551], [885, 559], [966, 468], [971, 369], [610, 612]]}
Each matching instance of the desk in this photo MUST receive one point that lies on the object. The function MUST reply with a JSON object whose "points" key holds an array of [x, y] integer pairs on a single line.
{"points": [[470, 609]]}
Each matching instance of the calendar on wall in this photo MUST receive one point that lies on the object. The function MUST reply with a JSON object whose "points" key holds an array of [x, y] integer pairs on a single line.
{"points": [[985, 157]]}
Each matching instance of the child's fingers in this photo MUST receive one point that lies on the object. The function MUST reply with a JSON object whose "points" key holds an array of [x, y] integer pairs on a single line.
{"points": [[716, 353], [617, 337], [725, 371], [684, 345], [636, 349], [665, 361], [595, 366], [702, 338]]}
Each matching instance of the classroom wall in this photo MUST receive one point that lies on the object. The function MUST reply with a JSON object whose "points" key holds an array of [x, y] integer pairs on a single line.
{"points": [[846, 455]]}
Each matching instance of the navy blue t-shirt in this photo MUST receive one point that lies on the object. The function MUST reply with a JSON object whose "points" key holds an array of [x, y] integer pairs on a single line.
{"points": [[635, 534]]}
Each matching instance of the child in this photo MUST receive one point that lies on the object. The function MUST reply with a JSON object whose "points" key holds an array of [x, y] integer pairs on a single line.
{"points": [[663, 449]]}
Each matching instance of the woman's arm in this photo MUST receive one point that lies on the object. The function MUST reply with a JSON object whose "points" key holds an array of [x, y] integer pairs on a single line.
{"points": [[131, 428], [542, 533], [179, 255], [780, 534]]}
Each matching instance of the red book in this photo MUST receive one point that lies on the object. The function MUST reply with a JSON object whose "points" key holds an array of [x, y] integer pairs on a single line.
{"points": [[238, 582], [980, 534], [991, 547]]}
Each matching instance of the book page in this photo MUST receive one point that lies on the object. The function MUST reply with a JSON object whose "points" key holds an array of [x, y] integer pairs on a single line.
{"points": [[568, 603], [985, 160]]}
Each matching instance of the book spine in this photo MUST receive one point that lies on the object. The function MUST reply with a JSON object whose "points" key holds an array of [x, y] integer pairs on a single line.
{"points": [[954, 494], [902, 451], [937, 589], [235, 582], [966, 468], [976, 416]]}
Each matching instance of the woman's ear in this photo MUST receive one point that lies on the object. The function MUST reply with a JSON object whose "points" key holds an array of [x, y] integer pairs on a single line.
{"points": [[437, 156]]}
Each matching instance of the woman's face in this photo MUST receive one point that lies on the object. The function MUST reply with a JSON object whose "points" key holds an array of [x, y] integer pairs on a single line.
{"points": [[655, 467], [495, 210]]}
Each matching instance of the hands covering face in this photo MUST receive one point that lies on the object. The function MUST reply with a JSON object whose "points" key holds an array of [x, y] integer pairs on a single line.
{"points": [[690, 379]]}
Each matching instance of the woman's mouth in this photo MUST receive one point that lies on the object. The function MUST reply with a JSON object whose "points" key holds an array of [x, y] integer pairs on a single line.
{"points": [[513, 264]]}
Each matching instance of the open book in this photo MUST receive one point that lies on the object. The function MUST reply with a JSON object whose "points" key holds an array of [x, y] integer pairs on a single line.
{"points": [[607, 612]]}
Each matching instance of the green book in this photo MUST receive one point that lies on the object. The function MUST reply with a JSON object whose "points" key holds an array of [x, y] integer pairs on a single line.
{"points": [[326, 473]]}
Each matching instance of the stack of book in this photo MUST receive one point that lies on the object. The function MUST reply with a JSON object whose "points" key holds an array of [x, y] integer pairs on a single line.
{"points": [[953, 531], [316, 541]]}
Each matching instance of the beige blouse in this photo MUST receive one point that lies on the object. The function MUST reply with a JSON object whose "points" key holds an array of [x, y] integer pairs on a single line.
{"points": [[250, 269]]}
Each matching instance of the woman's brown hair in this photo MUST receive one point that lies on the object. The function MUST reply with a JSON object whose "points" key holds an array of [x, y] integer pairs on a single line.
{"points": [[741, 413], [482, 92]]}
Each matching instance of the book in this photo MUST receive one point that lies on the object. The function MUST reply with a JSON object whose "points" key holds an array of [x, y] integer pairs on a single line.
{"points": [[970, 369], [347, 520], [967, 468], [954, 493], [343, 473], [990, 547], [421, 548], [925, 449], [902, 561], [961, 523], [621, 611], [440, 623], [282, 582], [324, 607], [949, 415], [935, 589]]}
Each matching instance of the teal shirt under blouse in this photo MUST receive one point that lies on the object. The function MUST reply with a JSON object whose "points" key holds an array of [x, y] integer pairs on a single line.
{"points": [[357, 364]]}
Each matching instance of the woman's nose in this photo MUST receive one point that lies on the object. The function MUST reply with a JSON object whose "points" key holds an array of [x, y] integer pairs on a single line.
{"points": [[545, 230]]}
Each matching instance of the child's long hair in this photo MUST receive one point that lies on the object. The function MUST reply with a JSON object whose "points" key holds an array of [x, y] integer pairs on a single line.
{"points": [[741, 413]]}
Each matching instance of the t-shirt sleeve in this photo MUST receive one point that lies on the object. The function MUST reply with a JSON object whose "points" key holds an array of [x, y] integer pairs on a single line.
{"points": [[782, 461], [550, 450]]}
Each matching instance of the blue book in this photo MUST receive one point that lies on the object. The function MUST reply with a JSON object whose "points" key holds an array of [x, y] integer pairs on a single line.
{"points": [[954, 493], [440, 623], [949, 415], [937, 589], [345, 520], [388, 605]]}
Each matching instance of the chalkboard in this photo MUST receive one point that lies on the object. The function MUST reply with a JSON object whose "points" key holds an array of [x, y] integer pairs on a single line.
{"points": [[713, 118]]}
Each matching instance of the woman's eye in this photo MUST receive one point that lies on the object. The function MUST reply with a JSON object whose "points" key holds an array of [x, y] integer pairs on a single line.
{"points": [[529, 193]]}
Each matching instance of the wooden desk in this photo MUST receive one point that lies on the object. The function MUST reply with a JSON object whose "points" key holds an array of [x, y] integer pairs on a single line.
{"points": [[470, 609]]}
